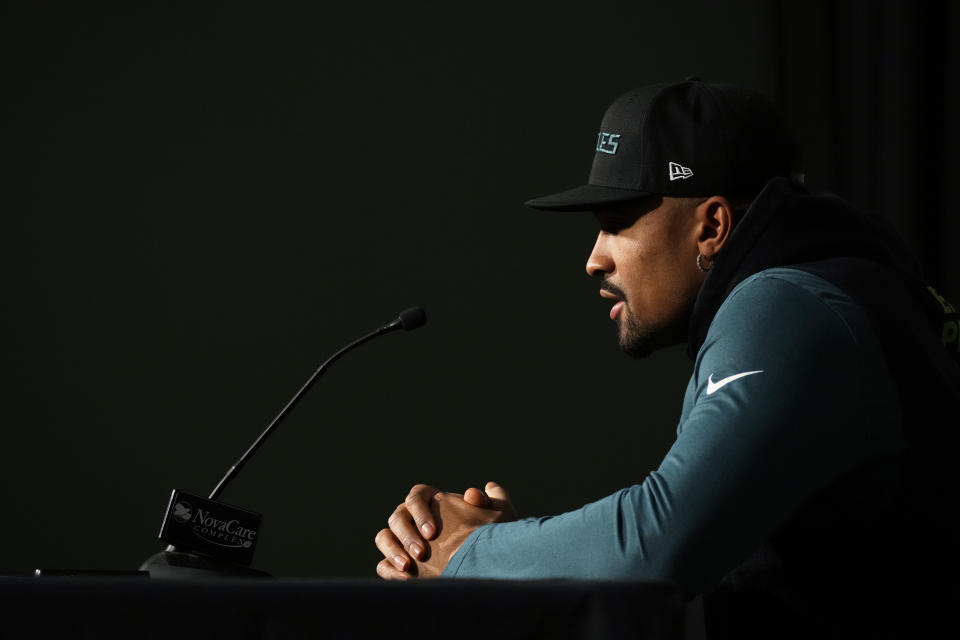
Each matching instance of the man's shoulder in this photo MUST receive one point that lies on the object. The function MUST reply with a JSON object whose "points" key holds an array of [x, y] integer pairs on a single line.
{"points": [[786, 281], [808, 338], [787, 314], [790, 296]]}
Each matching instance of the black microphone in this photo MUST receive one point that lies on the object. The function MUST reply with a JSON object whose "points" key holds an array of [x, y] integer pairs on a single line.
{"points": [[206, 536], [409, 320]]}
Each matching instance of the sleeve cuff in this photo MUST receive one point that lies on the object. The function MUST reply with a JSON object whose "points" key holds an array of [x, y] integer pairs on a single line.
{"points": [[453, 566]]}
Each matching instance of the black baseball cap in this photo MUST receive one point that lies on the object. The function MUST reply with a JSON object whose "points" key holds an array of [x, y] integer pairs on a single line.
{"points": [[689, 138]]}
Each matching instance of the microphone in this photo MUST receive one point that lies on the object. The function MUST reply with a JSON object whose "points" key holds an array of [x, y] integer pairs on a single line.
{"points": [[209, 537], [409, 320]]}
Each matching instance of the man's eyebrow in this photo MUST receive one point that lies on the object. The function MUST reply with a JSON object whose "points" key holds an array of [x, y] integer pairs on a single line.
{"points": [[616, 220], [624, 212]]}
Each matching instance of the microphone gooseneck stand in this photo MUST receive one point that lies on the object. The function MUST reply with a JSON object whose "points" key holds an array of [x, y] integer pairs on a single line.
{"points": [[176, 563]]}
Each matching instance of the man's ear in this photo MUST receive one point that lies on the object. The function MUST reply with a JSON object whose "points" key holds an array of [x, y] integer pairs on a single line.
{"points": [[714, 223]]}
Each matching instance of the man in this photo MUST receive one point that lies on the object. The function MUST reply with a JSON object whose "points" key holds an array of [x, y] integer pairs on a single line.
{"points": [[807, 487]]}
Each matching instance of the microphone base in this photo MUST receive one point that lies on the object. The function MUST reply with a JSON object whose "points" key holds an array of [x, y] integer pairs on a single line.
{"points": [[181, 565]]}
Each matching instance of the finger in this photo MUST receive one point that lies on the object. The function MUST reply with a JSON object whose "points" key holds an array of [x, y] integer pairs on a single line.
{"points": [[500, 499], [391, 549], [476, 497], [405, 530], [387, 571], [418, 504], [494, 490]]}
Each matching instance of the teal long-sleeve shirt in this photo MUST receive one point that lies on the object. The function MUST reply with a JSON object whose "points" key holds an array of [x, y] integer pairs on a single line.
{"points": [[789, 393]]}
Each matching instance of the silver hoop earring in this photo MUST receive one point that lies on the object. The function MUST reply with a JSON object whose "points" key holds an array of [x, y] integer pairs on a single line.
{"points": [[700, 264]]}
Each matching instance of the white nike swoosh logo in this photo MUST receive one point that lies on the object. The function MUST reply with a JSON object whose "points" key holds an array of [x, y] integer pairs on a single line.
{"points": [[713, 386]]}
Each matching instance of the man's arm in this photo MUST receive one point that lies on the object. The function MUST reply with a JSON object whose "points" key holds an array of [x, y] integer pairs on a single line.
{"points": [[750, 450]]}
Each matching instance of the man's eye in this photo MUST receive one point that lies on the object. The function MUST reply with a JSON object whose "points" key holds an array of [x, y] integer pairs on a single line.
{"points": [[615, 225], [613, 222]]}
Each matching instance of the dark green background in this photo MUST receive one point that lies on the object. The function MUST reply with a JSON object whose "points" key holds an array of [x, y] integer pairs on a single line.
{"points": [[204, 203]]}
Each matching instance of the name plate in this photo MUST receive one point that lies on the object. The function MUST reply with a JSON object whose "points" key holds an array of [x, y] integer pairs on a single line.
{"points": [[210, 528]]}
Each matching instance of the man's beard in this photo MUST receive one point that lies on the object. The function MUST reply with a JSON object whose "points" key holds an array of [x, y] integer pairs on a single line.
{"points": [[634, 341], [638, 341]]}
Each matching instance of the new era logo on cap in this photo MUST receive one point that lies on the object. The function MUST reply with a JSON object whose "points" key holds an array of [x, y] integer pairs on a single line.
{"points": [[679, 172]]}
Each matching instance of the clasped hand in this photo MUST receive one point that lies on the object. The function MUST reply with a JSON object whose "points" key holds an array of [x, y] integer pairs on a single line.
{"points": [[427, 528]]}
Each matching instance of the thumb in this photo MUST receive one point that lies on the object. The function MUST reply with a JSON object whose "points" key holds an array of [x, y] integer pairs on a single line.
{"points": [[500, 500], [497, 492]]}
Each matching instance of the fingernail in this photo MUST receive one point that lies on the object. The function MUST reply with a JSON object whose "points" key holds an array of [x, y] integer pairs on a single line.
{"points": [[427, 529], [400, 562], [416, 549]]}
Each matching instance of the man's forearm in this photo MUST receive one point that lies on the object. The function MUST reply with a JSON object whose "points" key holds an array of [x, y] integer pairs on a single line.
{"points": [[597, 541]]}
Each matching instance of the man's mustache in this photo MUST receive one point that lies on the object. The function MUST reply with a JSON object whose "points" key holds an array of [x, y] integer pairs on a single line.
{"points": [[614, 289]]}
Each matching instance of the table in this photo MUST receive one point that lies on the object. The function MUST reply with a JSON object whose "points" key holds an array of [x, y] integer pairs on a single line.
{"points": [[242, 608]]}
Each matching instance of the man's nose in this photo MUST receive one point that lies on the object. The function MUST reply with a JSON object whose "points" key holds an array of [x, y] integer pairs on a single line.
{"points": [[600, 263]]}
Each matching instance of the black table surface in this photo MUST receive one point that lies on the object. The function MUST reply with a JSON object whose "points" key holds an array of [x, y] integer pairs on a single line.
{"points": [[241, 608]]}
